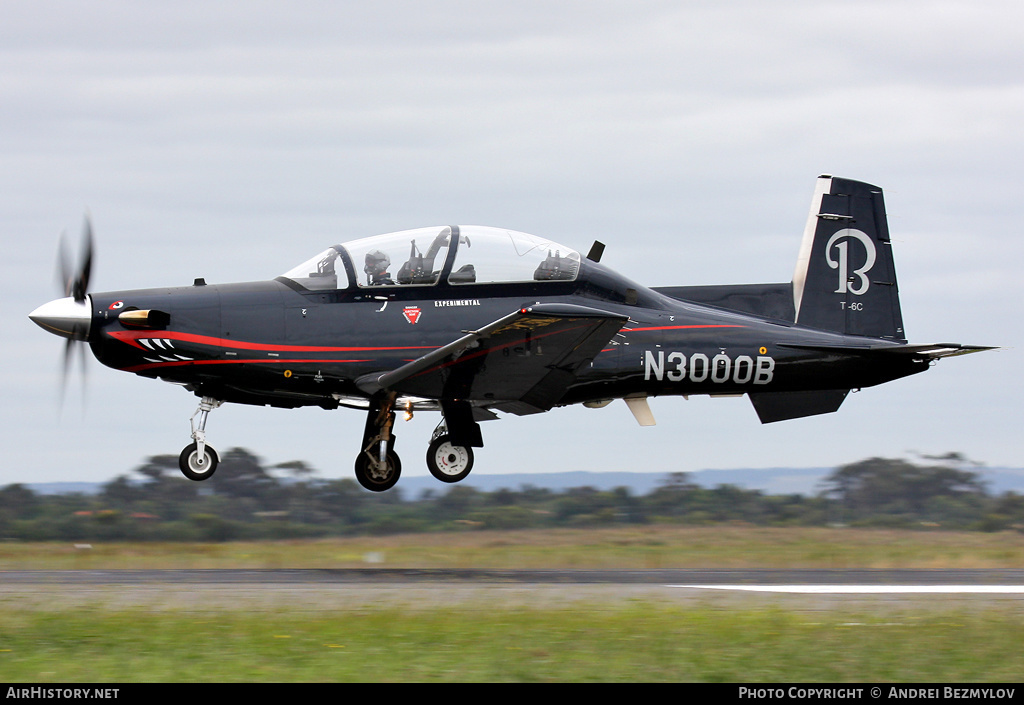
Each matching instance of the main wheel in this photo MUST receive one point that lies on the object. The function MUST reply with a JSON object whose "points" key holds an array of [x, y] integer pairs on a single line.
{"points": [[378, 479], [196, 467], [448, 462]]}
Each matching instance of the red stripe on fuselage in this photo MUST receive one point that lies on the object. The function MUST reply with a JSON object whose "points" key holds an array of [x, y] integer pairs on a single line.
{"points": [[132, 338]]}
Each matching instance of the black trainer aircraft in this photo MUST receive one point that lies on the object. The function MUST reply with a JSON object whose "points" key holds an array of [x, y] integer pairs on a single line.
{"points": [[471, 320]]}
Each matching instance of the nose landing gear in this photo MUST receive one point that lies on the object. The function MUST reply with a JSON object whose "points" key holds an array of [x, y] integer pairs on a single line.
{"points": [[198, 461]]}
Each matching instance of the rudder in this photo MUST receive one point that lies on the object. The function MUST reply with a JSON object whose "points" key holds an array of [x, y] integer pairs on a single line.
{"points": [[845, 278]]}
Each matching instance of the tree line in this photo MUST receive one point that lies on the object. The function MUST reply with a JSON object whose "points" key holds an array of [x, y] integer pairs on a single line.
{"points": [[246, 500]]}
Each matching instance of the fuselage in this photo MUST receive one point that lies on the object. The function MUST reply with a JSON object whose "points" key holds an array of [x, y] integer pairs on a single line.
{"points": [[278, 343]]}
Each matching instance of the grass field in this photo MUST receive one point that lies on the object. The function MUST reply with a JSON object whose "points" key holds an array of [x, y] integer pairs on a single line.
{"points": [[103, 636], [633, 548], [632, 642]]}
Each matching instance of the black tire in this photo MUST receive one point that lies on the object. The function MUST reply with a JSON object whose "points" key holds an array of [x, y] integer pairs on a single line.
{"points": [[195, 468], [448, 462], [378, 481]]}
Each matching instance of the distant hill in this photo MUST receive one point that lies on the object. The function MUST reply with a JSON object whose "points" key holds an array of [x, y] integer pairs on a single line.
{"points": [[770, 480], [806, 481]]}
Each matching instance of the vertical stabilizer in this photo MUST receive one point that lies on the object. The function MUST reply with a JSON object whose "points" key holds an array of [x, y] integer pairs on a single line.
{"points": [[845, 279]]}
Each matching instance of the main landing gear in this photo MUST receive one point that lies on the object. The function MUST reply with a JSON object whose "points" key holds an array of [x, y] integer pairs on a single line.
{"points": [[449, 456], [445, 460], [377, 465], [198, 461]]}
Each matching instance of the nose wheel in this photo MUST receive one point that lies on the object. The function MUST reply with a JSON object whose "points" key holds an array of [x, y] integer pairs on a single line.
{"points": [[198, 461], [196, 465]]}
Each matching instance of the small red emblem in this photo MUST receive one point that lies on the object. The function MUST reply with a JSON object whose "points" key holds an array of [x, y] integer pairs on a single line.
{"points": [[411, 313]]}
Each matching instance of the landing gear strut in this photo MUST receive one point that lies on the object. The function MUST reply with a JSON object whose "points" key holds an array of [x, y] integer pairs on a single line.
{"points": [[198, 461], [449, 456], [377, 465]]}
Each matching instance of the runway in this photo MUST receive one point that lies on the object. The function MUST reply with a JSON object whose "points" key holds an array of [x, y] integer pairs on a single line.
{"points": [[333, 593], [367, 586], [869, 580]]}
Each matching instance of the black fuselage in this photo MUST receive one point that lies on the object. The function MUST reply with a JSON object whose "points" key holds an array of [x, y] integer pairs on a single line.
{"points": [[275, 343]]}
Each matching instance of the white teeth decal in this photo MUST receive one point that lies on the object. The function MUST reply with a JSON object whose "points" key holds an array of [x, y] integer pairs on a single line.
{"points": [[167, 358], [162, 344]]}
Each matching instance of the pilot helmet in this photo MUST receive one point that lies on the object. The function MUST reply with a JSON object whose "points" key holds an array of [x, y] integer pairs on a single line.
{"points": [[377, 262]]}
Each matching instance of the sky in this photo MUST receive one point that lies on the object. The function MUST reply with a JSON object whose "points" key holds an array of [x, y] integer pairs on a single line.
{"points": [[233, 141]]}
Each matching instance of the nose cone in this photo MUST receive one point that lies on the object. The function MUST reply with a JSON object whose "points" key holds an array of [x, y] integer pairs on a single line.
{"points": [[65, 317]]}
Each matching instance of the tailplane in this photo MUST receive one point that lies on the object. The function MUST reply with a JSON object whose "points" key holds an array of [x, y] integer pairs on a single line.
{"points": [[845, 279]]}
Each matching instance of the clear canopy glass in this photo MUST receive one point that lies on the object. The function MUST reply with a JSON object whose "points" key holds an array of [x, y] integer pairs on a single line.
{"points": [[490, 255], [483, 255], [402, 258], [322, 272]]}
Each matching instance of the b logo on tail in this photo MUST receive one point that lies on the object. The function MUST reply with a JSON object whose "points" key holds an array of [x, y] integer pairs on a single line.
{"points": [[842, 246]]}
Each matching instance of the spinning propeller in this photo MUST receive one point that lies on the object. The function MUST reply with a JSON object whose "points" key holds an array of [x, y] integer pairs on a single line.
{"points": [[70, 317], [75, 283]]}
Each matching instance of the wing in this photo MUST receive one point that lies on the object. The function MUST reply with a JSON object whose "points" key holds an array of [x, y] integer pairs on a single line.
{"points": [[529, 358]]}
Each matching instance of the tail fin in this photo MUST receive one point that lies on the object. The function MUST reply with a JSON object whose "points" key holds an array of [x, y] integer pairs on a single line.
{"points": [[845, 279]]}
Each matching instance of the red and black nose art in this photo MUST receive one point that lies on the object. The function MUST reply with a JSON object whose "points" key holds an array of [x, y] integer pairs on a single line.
{"points": [[157, 349]]}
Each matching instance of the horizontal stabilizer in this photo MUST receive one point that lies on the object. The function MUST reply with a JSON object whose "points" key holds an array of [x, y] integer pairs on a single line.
{"points": [[782, 406], [936, 351], [933, 351]]}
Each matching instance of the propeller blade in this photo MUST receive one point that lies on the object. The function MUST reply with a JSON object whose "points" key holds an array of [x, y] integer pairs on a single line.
{"points": [[83, 371], [73, 348], [85, 268], [73, 282], [64, 266], [69, 347]]}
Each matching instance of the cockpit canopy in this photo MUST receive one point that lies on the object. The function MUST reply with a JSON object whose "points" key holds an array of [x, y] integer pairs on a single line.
{"points": [[482, 255]]}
